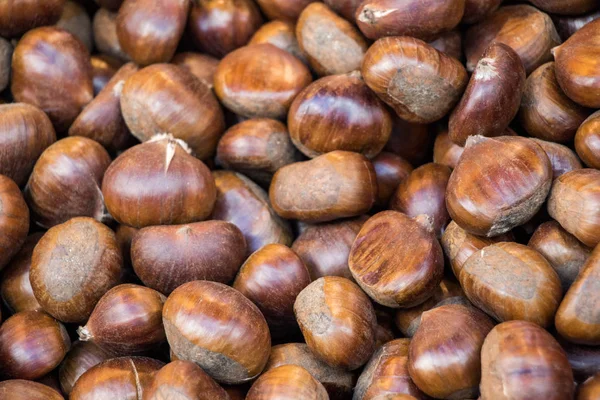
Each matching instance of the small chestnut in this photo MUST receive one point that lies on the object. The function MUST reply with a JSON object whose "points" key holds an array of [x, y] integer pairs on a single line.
{"points": [[20, 389], [202, 66], [280, 34], [20, 16], [74, 18], [562, 158], [104, 27], [284, 10], [14, 220], [587, 141], [81, 357], [445, 151], [288, 382], [390, 171]]}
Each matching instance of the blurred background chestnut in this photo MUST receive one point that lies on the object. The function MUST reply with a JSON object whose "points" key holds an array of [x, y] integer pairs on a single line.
{"points": [[74, 18], [587, 141], [104, 27]]}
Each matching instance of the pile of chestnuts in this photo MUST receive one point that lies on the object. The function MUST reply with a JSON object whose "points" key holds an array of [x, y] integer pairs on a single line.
{"points": [[300, 199]]}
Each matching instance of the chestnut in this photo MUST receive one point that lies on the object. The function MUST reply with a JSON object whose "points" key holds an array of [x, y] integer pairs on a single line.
{"points": [[527, 30], [74, 18], [449, 43], [423, 192], [511, 281], [584, 360], [218, 27], [590, 389], [424, 20], [219, 329], [339, 112], [81, 357], [6, 51], [257, 148], [519, 359], [492, 97], [334, 185], [390, 171], [165, 257], [31, 345], [27, 132], [546, 112], [202, 66], [337, 321], [36, 74], [420, 83], [183, 380], [445, 151], [410, 141], [112, 5], [567, 25], [167, 98], [577, 318], [260, 80], [19, 389], [20, 16], [280, 34], [475, 199], [284, 10], [587, 141], [288, 382], [562, 158], [318, 26], [149, 30], [72, 266], [104, 27], [444, 355], [158, 183], [405, 254], [477, 10], [345, 8], [574, 203], [65, 182], [103, 69], [14, 220], [338, 382], [116, 378], [573, 7]]}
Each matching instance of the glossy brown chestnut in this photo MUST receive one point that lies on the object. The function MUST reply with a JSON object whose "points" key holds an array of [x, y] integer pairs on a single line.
{"points": [[103, 69], [104, 27], [284, 10], [397, 260], [492, 97], [520, 359], [334, 185], [257, 148], [260, 80], [546, 112], [48, 58], [339, 112], [424, 20], [14, 220], [319, 26], [72, 266], [65, 182], [219, 329], [477, 10], [20, 16], [246, 205], [562, 158], [390, 171], [288, 382], [158, 183], [337, 321], [74, 19], [525, 29], [590, 389], [19, 389], [6, 51], [81, 357], [574, 203], [483, 207], [116, 378], [149, 30], [511, 281], [567, 25], [165, 257], [164, 98], [587, 141], [280, 34], [220, 26], [410, 141], [568, 7], [449, 43], [202, 66], [445, 151], [420, 83], [31, 345]]}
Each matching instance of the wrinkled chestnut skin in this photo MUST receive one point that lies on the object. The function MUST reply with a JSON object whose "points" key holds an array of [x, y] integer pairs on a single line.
{"points": [[337, 321], [477, 10], [6, 51], [525, 29], [220, 26], [288, 382], [492, 97], [26, 132], [202, 66], [104, 27], [31, 345], [565, 7], [562, 158], [520, 360], [481, 206], [546, 112], [219, 329], [165, 257], [587, 141], [246, 205], [46, 59], [260, 80], [390, 171], [338, 184], [338, 382], [20, 16], [149, 30], [424, 20], [444, 355], [445, 151], [280, 34], [397, 260], [81, 357], [284, 10], [19, 389], [318, 25], [568, 25], [449, 43], [323, 117], [14, 220], [410, 141], [420, 83], [72, 266], [574, 203], [512, 281]]}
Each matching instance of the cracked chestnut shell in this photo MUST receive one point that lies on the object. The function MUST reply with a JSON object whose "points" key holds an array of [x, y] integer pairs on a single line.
{"points": [[288, 382], [20, 16], [587, 141]]}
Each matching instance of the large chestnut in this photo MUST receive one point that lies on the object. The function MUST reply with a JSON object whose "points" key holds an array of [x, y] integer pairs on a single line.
{"points": [[288, 382], [562, 158], [420, 83], [219, 329], [397, 260], [339, 112], [105, 34], [202, 66], [519, 359], [6, 51], [31, 345], [390, 170], [445, 151], [14, 220], [20, 389], [587, 141], [20, 16], [81, 357], [75, 19], [280, 34], [72, 266], [337, 321]]}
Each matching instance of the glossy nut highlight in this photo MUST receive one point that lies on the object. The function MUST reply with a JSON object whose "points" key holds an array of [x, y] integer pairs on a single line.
{"points": [[587, 141]]}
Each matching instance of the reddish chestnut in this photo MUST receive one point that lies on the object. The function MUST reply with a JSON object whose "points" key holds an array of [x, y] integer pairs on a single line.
{"points": [[390, 171], [202, 66], [449, 43], [105, 34], [562, 158], [567, 25], [570, 7], [81, 357], [288, 382], [587, 141], [19, 389], [280, 34], [14, 220], [445, 151], [20, 16], [477, 10], [284, 10]]}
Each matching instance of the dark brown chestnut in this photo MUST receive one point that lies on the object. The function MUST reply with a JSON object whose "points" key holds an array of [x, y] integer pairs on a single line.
{"points": [[75, 19], [20, 16], [6, 52], [587, 141], [584, 360], [81, 357], [103, 69], [445, 151], [562, 158], [345, 8], [449, 43], [390, 171], [288, 382], [570, 7], [477, 10], [280, 34], [105, 34], [410, 141], [567, 25], [202, 66], [20, 389], [284, 10], [14, 220]]}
